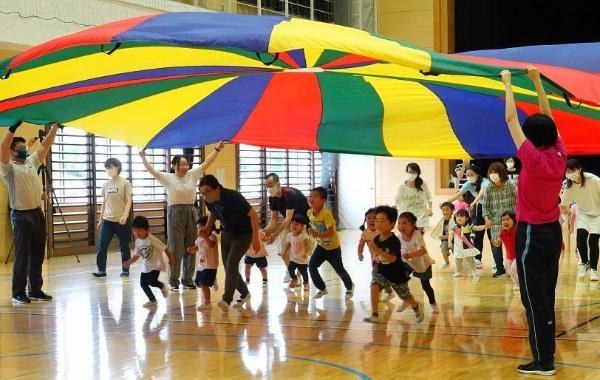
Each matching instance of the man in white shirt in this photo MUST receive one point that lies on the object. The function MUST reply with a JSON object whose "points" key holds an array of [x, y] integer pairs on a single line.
{"points": [[20, 172]]}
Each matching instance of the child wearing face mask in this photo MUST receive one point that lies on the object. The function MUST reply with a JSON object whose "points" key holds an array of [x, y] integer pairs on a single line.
{"points": [[114, 216], [413, 196]]}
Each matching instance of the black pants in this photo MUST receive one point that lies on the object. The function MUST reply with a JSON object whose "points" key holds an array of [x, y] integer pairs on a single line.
{"points": [[477, 239], [426, 285], [538, 254], [303, 268], [150, 279], [585, 240], [29, 237], [334, 257]]}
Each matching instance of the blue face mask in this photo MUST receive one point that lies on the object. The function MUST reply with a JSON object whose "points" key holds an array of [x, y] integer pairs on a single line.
{"points": [[22, 153]]}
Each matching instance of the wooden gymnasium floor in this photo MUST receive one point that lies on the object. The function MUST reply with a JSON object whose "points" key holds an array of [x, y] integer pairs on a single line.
{"points": [[97, 329]]}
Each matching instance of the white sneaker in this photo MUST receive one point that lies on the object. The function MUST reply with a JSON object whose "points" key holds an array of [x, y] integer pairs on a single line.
{"points": [[165, 291], [583, 268], [419, 313], [224, 306], [350, 292], [457, 275], [493, 267], [320, 293], [287, 278], [593, 275], [242, 301]]}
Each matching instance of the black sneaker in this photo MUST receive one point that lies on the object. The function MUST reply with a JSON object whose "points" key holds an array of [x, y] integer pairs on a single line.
{"points": [[188, 285], [499, 274], [174, 287], [39, 296], [99, 274], [536, 368], [21, 299], [124, 274]]}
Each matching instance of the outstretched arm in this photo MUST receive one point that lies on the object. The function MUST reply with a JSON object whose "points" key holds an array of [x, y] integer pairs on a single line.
{"points": [[44, 148], [151, 169], [534, 74], [511, 111]]}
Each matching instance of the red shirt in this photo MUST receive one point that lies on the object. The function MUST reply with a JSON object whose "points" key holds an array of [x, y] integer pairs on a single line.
{"points": [[508, 238], [540, 182]]}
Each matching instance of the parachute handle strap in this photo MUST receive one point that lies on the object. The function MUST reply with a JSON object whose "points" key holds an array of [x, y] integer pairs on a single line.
{"points": [[117, 45], [6, 74], [267, 63]]}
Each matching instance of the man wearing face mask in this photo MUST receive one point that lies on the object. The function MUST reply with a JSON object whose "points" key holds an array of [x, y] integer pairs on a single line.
{"points": [[117, 194], [239, 230], [20, 172], [288, 201]]}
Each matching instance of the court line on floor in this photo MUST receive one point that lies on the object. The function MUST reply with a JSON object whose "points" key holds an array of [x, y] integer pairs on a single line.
{"points": [[568, 331]]}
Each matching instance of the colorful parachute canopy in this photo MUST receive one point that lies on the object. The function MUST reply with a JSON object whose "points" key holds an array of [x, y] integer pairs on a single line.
{"points": [[188, 79]]}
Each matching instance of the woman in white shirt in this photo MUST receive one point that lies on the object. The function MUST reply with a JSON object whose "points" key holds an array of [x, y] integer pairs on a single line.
{"points": [[181, 185], [583, 189], [413, 196], [114, 217]]}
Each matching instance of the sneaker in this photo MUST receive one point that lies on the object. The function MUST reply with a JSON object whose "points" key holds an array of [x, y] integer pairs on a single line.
{"points": [[173, 287], [493, 267], [287, 277], [99, 274], [188, 285], [292, 284], [165, 291], [241, 301], [593, 275], [371, 319], [499, 274], [306, 287], [536, 368], [204, 306], [39, 296], [224, 306], [457, 275], [21, 299], [320, 293], [124, 274], [419, 314], [583, 268], [479, 264], [150, 304], [402, 307], [265, 282], [350, 292], [435, 309]]}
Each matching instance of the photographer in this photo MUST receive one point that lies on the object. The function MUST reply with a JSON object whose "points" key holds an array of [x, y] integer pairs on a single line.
{"points": [[20, 172]]}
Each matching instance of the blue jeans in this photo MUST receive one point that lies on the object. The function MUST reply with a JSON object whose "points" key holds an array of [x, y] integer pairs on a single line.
{"points": [[334, 257], [107, 231]]}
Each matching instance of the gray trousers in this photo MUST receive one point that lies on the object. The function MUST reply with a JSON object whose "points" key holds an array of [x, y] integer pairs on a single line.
{"points": [[233, 248], [181, 233]]}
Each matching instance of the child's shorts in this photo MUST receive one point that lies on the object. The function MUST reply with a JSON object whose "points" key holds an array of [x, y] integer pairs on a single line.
{"points": [[260, 262], [206, 277], [401, 289]]}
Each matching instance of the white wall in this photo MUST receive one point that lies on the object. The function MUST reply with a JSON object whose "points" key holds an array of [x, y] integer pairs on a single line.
{"points": [[356, 189]]}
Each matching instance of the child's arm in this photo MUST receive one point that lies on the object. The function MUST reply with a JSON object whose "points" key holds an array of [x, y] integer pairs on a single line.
{"points": [[450, 239], [306, 247], [479, 228], [132, 260], [330, 231], [361, 248], [192, 250], [211, 240], [420, 252], [380, 253]]}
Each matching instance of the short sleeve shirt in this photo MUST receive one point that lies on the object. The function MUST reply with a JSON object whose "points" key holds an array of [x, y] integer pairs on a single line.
{"points": [[415, 243], [321, 223], [414, 200], [151, 251], [232, 211], [472, 187], [24, 183], [395, 272], [298, 252], [207, 257], [263, 249], [115, 193], [291, 199], [181, 190]]}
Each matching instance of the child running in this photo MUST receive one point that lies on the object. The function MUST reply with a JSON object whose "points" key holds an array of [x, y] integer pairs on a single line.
{"points": [[300, 246], [207, 258], [150, 249], [460, 242], [508, 235], [370, 222], [442, 230], [414, 253], [391, 270], [259, 258], [322, 228]]}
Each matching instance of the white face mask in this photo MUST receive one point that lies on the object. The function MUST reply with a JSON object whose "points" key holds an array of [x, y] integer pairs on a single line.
{"points": [[410, 176], [472, 179], [573, 176], [494, 177], [510, 165], [273, 190], [112, 172]]}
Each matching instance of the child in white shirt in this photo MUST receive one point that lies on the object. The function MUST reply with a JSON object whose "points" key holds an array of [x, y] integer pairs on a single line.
{"points": [[300, 248], [207, 261]]}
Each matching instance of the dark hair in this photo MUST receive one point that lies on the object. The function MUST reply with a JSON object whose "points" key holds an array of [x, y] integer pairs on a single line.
{"points": [[500, 169], [369, 212], [176, 160], [450, 205], [299, 218], [574, 164], [412, 219], [140, 222], [463, 212], [274, 176], [114, 162], [474, 168], [203, 220], [541, 130], [390, 212], [415, 168], [210, 181], [511, 215], [16, 140], [321, 190]]}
